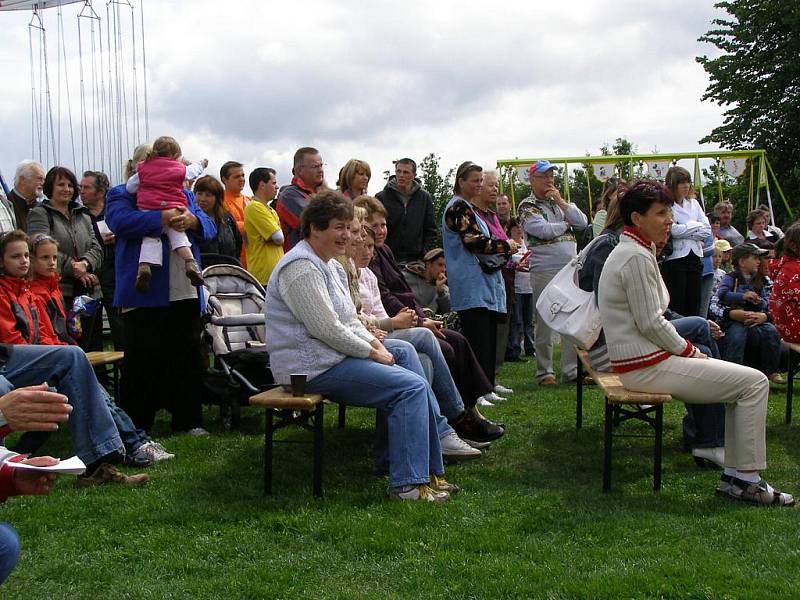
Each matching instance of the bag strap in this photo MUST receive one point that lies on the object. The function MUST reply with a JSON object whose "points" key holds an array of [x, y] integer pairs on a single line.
{"points": [[579, 260]]}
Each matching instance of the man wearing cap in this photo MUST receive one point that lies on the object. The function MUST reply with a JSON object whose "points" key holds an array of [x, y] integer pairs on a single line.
{"points": [[409, 213], [428, 280], [550, 225]]}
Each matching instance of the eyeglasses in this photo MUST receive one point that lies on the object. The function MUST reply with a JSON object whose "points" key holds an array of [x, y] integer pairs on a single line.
{"points": [[315, 166]]}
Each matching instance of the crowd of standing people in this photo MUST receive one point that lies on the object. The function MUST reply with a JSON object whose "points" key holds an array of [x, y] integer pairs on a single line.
{"points": [[381, 306]]}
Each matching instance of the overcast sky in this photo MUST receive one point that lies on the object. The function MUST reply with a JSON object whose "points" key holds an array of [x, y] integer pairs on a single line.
{"points": [[254, 80]]}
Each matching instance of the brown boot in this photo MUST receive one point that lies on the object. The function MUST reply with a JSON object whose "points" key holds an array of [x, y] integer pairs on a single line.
{"points": [[143, 276], [193, 273]]}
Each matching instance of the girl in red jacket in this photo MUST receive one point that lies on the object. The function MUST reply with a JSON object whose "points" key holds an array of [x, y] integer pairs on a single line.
{"points": [[19, 319], [47, 296], [784, 301]]}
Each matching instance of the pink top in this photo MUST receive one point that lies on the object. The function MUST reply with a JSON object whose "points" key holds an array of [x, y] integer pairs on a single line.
{"points": [[492, 222], [370, 295], [161, 184]]}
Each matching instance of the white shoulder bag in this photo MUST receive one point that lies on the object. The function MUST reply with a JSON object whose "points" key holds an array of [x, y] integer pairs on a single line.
{"points": [[567, 309]]}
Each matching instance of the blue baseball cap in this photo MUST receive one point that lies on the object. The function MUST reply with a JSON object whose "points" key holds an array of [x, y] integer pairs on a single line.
{"points": [[541, 166]]}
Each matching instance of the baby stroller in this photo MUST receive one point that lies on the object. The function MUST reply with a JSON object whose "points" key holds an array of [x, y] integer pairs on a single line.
{"points": [[234, 332]]}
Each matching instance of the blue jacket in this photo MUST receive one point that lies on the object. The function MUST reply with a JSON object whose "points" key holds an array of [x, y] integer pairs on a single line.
{"points": [[731, 293], [470, 287], [130, 225]]}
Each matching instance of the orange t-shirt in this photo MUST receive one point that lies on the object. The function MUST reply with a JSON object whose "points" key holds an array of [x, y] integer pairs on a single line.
{"points": [[234, 204]]}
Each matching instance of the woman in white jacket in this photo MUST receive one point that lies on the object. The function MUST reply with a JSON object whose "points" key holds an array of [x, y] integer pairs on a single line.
{"points": [[650, 356], [682, 269]]}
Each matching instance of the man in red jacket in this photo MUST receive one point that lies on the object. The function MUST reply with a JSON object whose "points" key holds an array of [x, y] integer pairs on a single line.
{"points": [[309, 178]]}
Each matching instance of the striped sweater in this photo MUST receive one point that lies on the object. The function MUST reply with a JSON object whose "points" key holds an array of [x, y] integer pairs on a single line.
{"points": [[632, 299]]}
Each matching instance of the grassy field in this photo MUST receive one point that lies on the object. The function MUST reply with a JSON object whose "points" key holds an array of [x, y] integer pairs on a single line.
{"points": [[530, 521]]}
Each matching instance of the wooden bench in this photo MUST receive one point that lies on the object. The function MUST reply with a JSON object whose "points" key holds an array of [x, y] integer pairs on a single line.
{"points": [[108, 359], [622, 405], [794, 350], [291, 410]]}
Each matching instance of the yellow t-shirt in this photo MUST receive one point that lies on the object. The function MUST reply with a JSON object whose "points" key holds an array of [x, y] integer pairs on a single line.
{"points": [[260, 222]]}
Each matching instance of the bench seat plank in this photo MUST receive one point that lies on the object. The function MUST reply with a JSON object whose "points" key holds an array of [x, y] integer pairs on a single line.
{"points": [[281, 399]]}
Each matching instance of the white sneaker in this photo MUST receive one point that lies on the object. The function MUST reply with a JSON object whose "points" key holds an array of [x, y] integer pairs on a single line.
{"points": [[478, 445], [493, 397], [152, 451], [501, 389], [454, 447], [198, 432], [418, 492], [482, 401]]}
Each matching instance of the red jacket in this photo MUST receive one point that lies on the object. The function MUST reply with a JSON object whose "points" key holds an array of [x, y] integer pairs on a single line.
{"points": [[49, 305], [784, 300], [19, 319], [7, 487]]}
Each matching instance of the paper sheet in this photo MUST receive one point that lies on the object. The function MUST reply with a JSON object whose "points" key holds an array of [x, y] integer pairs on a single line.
{"points": [[70, 466]]}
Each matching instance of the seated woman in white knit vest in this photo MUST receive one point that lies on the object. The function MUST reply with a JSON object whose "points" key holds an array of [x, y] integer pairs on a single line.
{"points": [[650, 356], [313, 329]]}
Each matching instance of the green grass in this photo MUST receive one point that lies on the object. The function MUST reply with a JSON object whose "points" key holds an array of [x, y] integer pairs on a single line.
{"points": [[530, 520]]}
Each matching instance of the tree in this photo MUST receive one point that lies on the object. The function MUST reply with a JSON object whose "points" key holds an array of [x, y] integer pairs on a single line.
{"points": [[757, 77], [438, 186]]}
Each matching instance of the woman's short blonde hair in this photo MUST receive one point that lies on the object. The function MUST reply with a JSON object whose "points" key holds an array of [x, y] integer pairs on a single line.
{"points": [[352, 167]]}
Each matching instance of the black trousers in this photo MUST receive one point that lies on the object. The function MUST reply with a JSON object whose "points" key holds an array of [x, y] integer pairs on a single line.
{"points": [[479, 326], [466, 369], [683, 277], [163, 364]]}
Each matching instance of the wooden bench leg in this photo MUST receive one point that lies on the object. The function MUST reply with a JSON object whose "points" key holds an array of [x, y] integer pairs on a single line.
{"points": [[607, 441], [790, 387], [318, 422], [659, 425], [342, 413], [268, 435], [579, 400]]}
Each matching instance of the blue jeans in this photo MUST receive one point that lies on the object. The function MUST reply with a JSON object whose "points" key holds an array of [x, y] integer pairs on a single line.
{"points": [[9, 550], [521, 327], [704, 424], [414, 449], [763, 343], [66, 368], [424, 342]]}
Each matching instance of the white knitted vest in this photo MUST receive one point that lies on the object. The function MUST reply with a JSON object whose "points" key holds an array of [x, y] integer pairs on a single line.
{"points": [[291, 347]]}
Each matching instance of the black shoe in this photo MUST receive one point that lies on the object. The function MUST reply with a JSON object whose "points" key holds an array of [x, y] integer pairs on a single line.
{"points": [[129, 460], [515, 359], [471, 426]]}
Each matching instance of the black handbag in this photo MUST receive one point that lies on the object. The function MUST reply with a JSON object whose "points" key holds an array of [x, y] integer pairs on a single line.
{"points": [[491, 263]]}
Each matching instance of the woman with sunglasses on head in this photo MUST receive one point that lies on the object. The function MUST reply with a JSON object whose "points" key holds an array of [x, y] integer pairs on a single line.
{"points": [[472, 236]]}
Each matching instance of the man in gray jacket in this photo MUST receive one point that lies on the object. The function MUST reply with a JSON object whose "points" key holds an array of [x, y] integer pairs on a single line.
{"points": [[550, 224]]}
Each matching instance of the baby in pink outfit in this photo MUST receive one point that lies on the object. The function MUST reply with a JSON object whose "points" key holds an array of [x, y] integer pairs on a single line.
{"points": [[158, 185]]}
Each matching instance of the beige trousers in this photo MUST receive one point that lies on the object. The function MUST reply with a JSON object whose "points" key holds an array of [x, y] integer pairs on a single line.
{"points": [[743, 390]]}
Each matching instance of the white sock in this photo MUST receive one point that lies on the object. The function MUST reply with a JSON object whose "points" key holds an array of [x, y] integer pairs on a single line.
{"points": [[730, 471], [753, 477]]}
